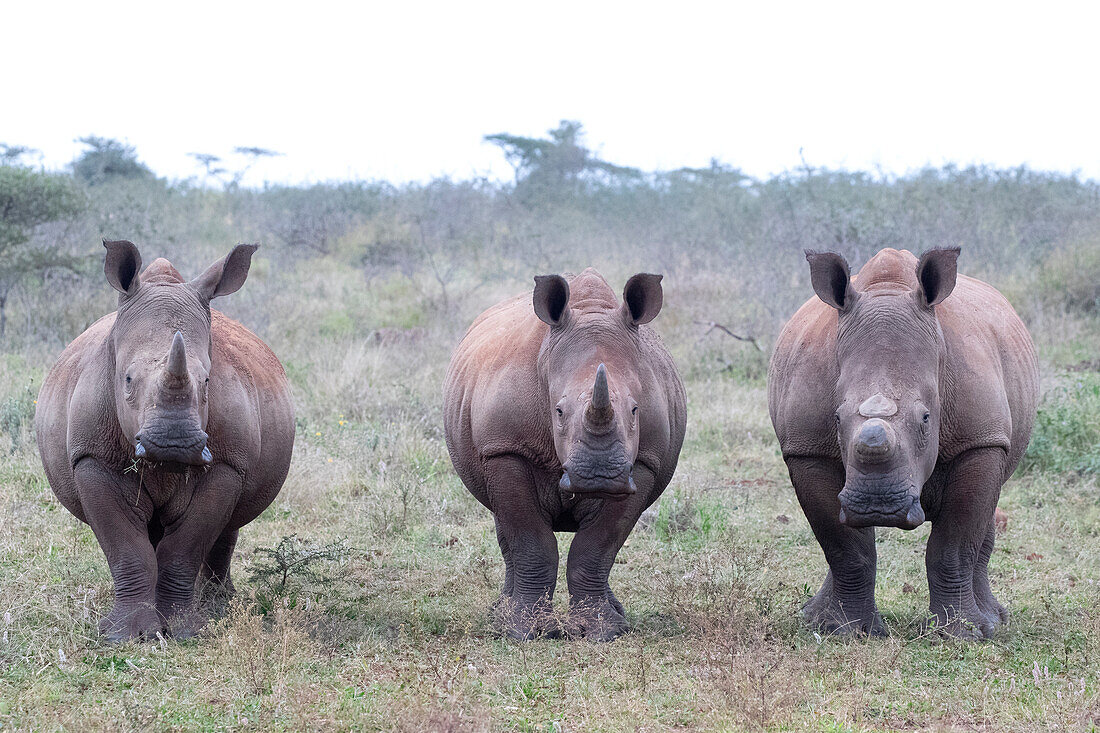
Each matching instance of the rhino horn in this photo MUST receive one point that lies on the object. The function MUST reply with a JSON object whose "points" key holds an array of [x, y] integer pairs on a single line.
{"points": [[878, 405], [599, 410], [177, 358]]}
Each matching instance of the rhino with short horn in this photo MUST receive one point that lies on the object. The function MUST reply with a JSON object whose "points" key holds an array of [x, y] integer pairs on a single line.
{"points": [[567, 416], [167, 427], [904, 394]]}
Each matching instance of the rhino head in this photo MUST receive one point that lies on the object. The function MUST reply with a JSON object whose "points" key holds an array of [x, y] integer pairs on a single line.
{"points": [[160, 345], [591, 365], [889, 353]]}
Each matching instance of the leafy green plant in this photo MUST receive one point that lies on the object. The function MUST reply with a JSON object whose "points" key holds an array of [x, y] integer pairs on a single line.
{"points": [[17, 416], [1070, 278], [1066, 436], [683, 517], [28, 200]]}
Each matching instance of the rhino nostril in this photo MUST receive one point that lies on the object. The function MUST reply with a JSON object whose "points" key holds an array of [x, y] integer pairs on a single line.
{"points": [[873, 440], [873, 436]]}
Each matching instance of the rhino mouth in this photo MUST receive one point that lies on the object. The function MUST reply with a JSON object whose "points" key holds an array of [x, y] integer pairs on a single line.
{"points": [[174, 448], [874, 507], [616, 487]]}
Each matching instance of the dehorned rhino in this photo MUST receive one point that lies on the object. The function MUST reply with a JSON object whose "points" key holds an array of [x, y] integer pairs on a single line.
{"points": [[167, 427], [565, 417], [903, 394]]}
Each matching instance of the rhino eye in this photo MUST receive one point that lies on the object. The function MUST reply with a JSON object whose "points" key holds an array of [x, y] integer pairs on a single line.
{"points": [[634, 410], [925, 418], [128, 379], [560, 413]]}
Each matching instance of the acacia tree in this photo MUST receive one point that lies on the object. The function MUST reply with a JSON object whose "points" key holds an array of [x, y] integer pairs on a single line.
{"points": [[560, 162], [29, 199], [107, 159], [215, 167], [11, 154]]}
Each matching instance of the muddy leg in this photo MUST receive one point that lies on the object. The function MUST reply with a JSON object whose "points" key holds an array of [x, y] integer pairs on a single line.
{"points": [[845, 604], [123, 533], [594, 611], [214, 576], [960, 546], [529, 548], [987, 604], [187, 542]]}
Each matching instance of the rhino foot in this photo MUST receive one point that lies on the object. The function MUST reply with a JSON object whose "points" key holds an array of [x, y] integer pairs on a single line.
{"points": [[526, 620], [214, 596], [131, 624], [828, 614], [976, 625], [995, 614], [597, 618], [186, 625]]}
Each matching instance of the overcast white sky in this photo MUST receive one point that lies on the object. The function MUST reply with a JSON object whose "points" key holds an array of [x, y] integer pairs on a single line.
{"points": [[406, 90]]}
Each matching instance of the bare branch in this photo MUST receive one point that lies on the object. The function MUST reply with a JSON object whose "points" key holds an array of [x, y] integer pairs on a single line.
{"points": [[712, 326]]}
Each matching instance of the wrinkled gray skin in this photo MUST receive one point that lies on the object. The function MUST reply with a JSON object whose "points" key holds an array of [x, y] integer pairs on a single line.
{"points": [[565, 417], [904, 394], [165, 426]]}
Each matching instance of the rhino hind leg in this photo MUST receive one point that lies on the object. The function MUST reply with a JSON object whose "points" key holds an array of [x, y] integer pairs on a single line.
{"points": [[215, 583], [960, 545], [990, 607], [529, 548], [845, 603]]}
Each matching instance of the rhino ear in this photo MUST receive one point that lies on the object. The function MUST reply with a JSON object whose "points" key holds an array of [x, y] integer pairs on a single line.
{"points": [[227, 275], [122, 265], [937, 272], [551, 299], [642, 298], [831, 279]]}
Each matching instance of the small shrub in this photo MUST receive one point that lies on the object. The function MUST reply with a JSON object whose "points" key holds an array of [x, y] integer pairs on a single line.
{"points": [[1070, 279], [1066, 436], [17, 416], [685, 518], [301, 571]]}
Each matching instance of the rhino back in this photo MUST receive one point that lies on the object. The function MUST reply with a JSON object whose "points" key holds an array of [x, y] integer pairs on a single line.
{"points": [[802, 376], [990, 387], [251, 419], [492, 402], [74, 415]]}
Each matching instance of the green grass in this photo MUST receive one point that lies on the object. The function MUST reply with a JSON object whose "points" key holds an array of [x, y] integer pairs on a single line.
{"points": [[1066, 436], [390, 630]]}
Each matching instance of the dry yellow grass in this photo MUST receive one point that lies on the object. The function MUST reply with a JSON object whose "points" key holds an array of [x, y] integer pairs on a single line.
{"points": [[394, 634]]}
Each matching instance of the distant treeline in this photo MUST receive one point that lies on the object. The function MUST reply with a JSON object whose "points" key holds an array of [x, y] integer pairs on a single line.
{"points": [[1033, 231]]}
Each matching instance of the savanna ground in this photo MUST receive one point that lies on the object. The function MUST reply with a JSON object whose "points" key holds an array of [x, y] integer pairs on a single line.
{"points": [[363, 591]]}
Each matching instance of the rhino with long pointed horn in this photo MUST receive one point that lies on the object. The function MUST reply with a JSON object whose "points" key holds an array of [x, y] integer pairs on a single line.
{"points": [[165, 426], [565, 416]]}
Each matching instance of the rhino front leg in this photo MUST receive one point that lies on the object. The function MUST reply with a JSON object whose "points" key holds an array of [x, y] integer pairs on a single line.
{"points": [[188, 542], [845, 604], [594, 611], [960, 545], [122, 531], [529, 548]]}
